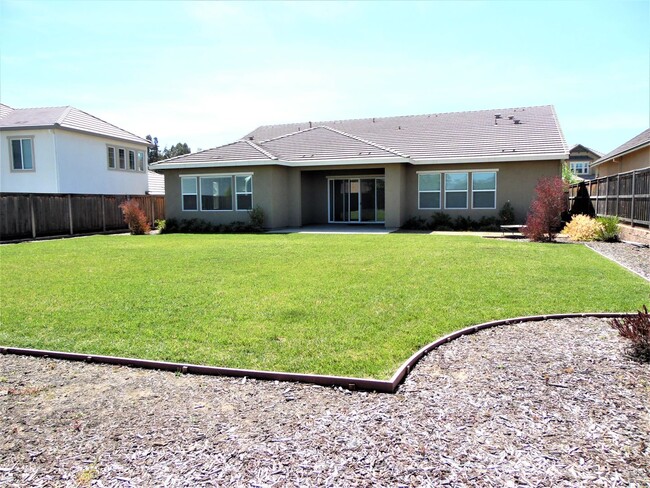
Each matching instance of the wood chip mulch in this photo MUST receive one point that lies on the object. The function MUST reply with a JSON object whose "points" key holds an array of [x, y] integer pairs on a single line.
{"points": [[552, 403]]}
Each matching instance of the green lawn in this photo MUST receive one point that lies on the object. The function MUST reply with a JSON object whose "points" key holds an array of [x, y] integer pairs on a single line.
{"points": [[354, 305]]}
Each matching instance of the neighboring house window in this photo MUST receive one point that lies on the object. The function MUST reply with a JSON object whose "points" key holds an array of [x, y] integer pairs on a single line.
{"points": [[484, 190], [132, 160], [140, 160], [121, 157], [111, 157], [456, 190], [189, 191], [216, 193], [580, 168], [244, 192], [429, 191], [22, 154]]}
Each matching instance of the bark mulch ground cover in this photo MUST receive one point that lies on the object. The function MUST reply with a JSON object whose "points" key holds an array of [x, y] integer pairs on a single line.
{"points": [[552, 403]]}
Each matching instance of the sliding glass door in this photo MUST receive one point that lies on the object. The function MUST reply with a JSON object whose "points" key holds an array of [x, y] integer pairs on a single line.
{"points": [[356, 200]]}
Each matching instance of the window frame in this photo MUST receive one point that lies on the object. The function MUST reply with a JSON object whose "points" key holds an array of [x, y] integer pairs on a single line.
{"points": [[108, 157], [439, 191], [465, 191], [22, 169], [237, 193], [195, 193], [232, 193], [140, 161], [121, 158], [131, 160], [484, 191]]}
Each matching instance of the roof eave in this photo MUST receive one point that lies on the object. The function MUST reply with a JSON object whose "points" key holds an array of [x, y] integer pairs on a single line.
{"points": [[161, 166], [618, 155], [18, 128]]}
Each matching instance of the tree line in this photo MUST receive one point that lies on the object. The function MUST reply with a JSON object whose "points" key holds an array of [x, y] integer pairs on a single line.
{"points": [[157, 154]]}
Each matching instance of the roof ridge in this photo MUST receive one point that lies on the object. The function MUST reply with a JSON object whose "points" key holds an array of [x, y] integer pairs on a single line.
{"points": [[323, 123], [352, 136], [290, 133], [559, 128], [268, 154], [63, 115], [197, 152]]}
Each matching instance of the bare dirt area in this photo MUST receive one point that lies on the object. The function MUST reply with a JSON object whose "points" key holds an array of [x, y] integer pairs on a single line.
{"points": [[552, 403]]}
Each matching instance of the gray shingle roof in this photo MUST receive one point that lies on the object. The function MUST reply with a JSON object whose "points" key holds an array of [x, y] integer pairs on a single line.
{"points": [[636, 142], [515, 134], [450, 135], [66, 118]]}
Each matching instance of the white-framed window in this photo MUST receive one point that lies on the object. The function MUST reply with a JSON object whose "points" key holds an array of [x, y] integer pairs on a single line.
{"points": [[428, 191], [189, 192], [244, 192], [110, 157], [484, 189], [216, 193], [140, 160], [121, 158], [580, 167], [22, 153], [131, 160], [456, 190]]}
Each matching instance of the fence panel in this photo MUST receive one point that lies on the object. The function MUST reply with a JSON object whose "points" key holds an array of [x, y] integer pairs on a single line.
{"points": [[24, 215], [626, 195]]}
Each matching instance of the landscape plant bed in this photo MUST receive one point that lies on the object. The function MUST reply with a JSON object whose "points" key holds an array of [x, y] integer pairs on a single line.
{"points": [[344, 305]]}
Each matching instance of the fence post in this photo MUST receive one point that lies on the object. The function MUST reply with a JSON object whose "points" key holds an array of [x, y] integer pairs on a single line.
{"points": [[32, 218], [153, 211], [70, 213], [618, 194], [103, 214], [606, 195], [633, 193]]}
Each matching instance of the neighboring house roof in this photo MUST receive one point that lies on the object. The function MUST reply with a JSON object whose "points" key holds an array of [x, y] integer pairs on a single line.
{"points": [[585, 148], [65, 118], [515, 134], [633, 144]]}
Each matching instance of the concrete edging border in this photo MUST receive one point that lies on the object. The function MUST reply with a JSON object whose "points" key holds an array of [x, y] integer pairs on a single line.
{"points": [[380, 386]]}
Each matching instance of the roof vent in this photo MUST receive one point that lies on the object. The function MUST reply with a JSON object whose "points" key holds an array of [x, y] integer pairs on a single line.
{"points": [[310, 124], [497, 116], [517, 121], [373, 120], [510, 117], [250, 138]]}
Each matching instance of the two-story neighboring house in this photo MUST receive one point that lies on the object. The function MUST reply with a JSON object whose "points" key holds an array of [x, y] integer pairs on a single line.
{"points": [[66, 150], [580, 159]]}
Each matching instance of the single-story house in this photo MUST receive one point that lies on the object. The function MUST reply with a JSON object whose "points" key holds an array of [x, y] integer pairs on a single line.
{"points": [[371, 171], [66, 150], [633, 154], [580, 159]]}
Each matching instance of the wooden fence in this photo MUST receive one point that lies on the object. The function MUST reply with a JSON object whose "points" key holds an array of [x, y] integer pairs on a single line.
{"points": [[626, 195], [32, 215]]}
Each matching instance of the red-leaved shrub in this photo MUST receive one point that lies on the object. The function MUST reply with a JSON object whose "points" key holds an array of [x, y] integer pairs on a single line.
{"points": [[544, 217], [135, 217], [637, 329]]}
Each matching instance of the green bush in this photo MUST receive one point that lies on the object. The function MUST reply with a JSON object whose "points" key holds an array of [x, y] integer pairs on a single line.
{"points": [[440, 221], [199, 226], [609, 230], [507, 214]]}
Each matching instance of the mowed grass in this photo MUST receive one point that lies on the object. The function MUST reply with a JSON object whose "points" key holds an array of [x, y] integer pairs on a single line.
{"points": [[355, 305]]}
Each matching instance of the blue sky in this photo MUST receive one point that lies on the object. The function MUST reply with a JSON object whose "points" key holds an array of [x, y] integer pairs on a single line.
{"points": [[207, 73]]}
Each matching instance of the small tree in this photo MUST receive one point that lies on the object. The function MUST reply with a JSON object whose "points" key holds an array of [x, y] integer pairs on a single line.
{"points": [[544, 217], [135, 217]]}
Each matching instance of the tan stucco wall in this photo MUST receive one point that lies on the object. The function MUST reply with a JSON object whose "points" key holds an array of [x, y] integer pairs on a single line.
{"points": [[516, 182], [270, 192], [628, 162], [295, 196]]}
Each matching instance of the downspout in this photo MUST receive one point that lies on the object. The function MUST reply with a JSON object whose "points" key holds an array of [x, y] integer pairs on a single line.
{"points": [[56, 162]]}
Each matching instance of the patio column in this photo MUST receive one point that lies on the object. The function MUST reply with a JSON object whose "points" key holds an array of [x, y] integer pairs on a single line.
{"points": [[395, 195], [295, 197]]}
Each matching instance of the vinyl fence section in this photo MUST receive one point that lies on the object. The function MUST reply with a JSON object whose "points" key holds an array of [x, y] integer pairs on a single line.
{"points": [[33, 215], [626, 195]]}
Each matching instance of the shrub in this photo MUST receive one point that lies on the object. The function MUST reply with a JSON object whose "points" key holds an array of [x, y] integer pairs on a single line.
{"points": [[507, 214], [135, 217], [160, 224], [256, 215], [199, 226], [582, 228], [609, 230], [440, 221], [415, 223], [463, 223], [637, 329], [582, 202], [543, 219]]}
